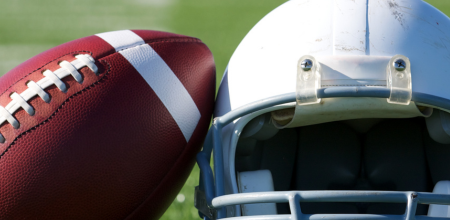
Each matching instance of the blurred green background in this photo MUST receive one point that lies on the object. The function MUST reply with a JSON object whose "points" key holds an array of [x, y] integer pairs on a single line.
{"points": [[28, 27]]}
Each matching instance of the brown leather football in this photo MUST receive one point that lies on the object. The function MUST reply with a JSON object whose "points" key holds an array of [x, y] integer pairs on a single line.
{"points": [[103, 127]]}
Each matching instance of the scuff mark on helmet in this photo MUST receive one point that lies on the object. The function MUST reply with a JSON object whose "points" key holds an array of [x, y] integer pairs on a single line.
{"points": [[395, 9], [347, 48]]}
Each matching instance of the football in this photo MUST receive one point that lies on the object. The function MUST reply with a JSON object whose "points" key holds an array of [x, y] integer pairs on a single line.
{"points": [[103, 127]]}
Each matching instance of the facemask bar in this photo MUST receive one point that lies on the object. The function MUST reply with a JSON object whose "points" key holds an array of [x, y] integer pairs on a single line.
{"points": [[295, 197], [210, 193]]}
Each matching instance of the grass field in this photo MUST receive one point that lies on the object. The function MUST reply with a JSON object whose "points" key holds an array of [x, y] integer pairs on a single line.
{"points": [[28, 27]]}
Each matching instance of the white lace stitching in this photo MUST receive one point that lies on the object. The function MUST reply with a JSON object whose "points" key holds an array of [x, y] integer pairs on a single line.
{"points": [[34, 89]]}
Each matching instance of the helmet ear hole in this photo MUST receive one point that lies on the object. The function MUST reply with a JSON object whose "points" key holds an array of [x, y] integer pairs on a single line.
{"points": [[260, 128], [438, 125]]}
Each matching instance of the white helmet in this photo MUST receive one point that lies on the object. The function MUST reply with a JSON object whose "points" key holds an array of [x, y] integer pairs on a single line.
{"points": [[340, 105]]}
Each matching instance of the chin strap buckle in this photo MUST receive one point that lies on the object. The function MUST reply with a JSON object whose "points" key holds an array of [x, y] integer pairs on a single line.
{"points": [[399, 80], [202, 205]]}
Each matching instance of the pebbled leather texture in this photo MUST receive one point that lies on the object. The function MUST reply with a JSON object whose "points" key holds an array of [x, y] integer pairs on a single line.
{"points": [[108, 148]]}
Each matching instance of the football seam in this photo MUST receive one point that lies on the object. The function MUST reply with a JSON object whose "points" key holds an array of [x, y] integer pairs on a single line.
{"points": [[58, 109], [171, 40], [73, 52], [192, 40]]}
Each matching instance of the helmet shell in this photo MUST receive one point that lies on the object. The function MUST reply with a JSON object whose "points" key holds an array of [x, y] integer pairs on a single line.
{"points": [[265, 63]]}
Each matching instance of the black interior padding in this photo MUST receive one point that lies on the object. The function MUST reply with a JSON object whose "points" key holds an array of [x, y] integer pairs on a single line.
{"points": [[279, 157], [328, 158], [394, 160], [438, 156], [276, 154], [393, 155]]}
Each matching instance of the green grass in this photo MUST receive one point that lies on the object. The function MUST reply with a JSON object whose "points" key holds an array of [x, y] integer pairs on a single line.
{"points": [[28, 27]]}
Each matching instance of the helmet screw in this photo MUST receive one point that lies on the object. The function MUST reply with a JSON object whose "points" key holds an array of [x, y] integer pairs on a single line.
{"points": [[306, 64], [400, 65]]}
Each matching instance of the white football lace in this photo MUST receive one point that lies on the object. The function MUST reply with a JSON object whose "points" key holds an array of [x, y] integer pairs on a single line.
{"points": [[37, 88]]}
